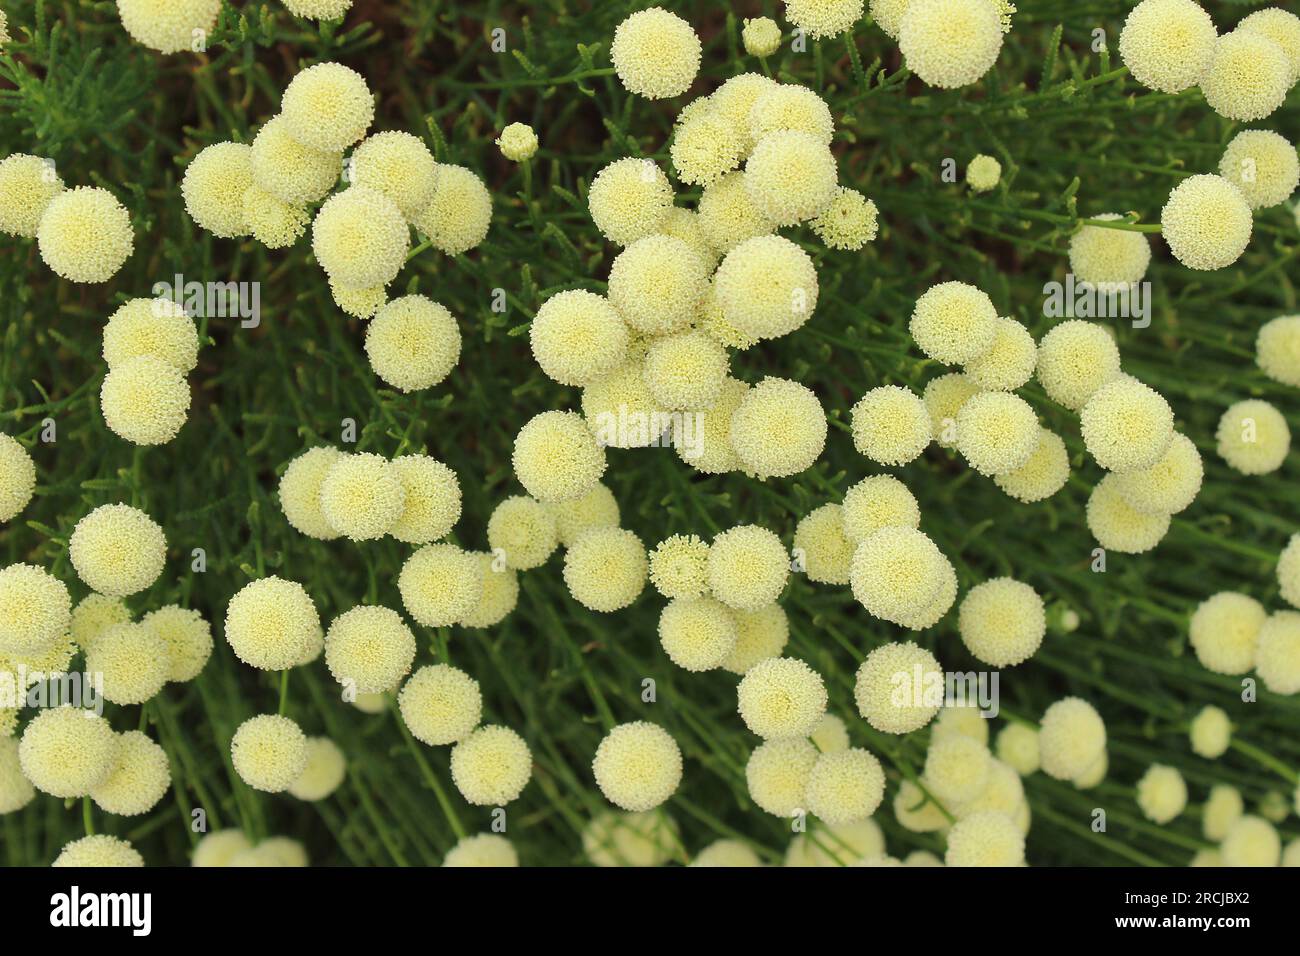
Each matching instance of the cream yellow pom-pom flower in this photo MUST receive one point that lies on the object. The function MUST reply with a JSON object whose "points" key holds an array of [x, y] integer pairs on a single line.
{"points": [[27, 185], [697, 633], [880, 501], [67, 752], [997, 432], [830, 735], [482, 850], [169, 27], [99, 850], [1168, 45], [705, 148], [1277, 350], [117, 550], [1251, 841], [440, 585], [1248, 77], [596, 509], [157, 327], [789, 106], [327, 107], [849, 222], [637, 766], [823, 18], [369, 649], [360, 238], [1043, 475], [888, 15], [93, 614], [950, 43], [620, 409], [457, 218], [1009, 361], [85, 234], [684, 224], [983, 173], [822, 547], [440, 704], [491, 766], [679, 566], [708, 449], [845, 786], [1224, 632], [685, 371], [360, 303], [1002, 622], [361, 496], [629, 199], [318, 9], [500, 593], [777, 773], [578, 337], [1075, 359], [35, 610], [781, 697], [791, 176], [1222, 808], [16, 791], [766, 286], [523, 531], [17, 478], [517, 142], [300, 492], [1017, 746], [747, 567], [957, 768], [1277, 654], [145, 400], [954, 322], [213, 188], [1071, 738], [285, 168], [1127, 426], [272, 221], [1168, 486], [605, 569], [1206, 222], [656, 284], [760, 36], [398, 165], [1253, 437], [1263, 165], [891, 425], [269, 752], [140, 777], [187, 637], [272, 624], [727, 853], [326, 768], [989, 838], [413, 343], [735, 98], [1117, 526], [728, 216], [1109, 258], [959, 721], [556, 457], [1210, 732], [1280, 26], [656, 54], [431, 505], [760, 635], [897, 573], [1161, 793], [132, 661], [778, 429]]}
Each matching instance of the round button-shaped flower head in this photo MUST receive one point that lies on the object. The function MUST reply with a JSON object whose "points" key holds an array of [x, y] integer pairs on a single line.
{"points": [[895, 688], [1017, 746], [327, 107], [500, 593], [1277, 655], [897, 573], [272, 221], [1280, 26], [767, 287], [17, 478], [1161, 793], [93, 614], [117, 550], [747, 567], [131, 660], [1253, 437], [791, 176], [360, 238], [287, 169], [697, 633], [631, 839], [300, 492], [85, 234], [186, 636], [1251, 841], [790, 106], [620, 409], [1224, 632], [269, 752], [840, 845], [760, 635], [1263, 165], [140, 777], [360, 303], [849, 222], [213, 188], [1288, 571], [679, 566], [728, 216], [16, 791], [168, 27], [67, 752], [880, 501], [1168, 486], [656, 54], [27, 184], [491, 766], [821, 545], [637, 766], [950, 43], [1277, 350], [1127, 426], [1009, 362], [705, 147], [1002, 622], [891, 425], [369, 649], [960, 721], [272, 624], [398, 165], [1210, 732], [1248, 78], [596, 509], [684, 224], [578, 337], [1117, 526], [605, 568], [823, 18], [656, 284], [888, 15], [727, 853], [1043, 475], [830, 735], [944, 396], [362, 496], [954, 322], [157, 327], [556, 457], [440, 584], [983, 173], [845, 786], [35, 610], [989, 838], [778, 429], [1071, 738], [1109, 258], [457, 218], [777, 773], [318, 9], [781, 697], [145, 400], [685, 370], [440, 704], [100, 850], [1206, 222], [413, 343], [431, 505], [517, 142], [761, 37], [708, 449], [1075, 359], [1168, 45], [482, 850], [629, 199], [997, 432], [325, 771], [734, 99], [523, 531]]}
